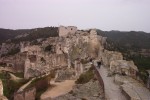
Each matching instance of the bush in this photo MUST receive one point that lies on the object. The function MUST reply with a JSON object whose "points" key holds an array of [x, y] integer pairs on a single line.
{"points": [[85, 77], [10, 86]]}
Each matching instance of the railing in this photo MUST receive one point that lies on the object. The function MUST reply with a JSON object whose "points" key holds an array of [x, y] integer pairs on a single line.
{"points": [[99, 78]]}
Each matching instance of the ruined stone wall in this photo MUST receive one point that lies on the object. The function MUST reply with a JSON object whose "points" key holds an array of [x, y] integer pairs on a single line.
{"points": [[123, 67], [28, 94], [64, 31], [108, 56], [44, 64]]}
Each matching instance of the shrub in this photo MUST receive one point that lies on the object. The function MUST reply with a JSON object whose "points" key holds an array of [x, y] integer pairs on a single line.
{"points": [[85, 77]]}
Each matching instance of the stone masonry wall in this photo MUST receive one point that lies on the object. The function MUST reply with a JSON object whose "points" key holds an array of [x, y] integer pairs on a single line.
{"points": [[26, 95], [64, 31]]}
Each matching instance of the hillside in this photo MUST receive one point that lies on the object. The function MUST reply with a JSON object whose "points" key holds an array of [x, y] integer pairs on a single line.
{"points": [[6, 34], [17, 36], [134, 46], [132, 39]]}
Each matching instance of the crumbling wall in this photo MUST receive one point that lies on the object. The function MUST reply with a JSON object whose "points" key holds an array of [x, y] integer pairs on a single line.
{"points": [[124, 67], [64, 31], [28, 94], [108, 56]]}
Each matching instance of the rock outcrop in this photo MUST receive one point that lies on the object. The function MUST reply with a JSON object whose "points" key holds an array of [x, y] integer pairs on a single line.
{"points": [[2, 97], [123, 67]]}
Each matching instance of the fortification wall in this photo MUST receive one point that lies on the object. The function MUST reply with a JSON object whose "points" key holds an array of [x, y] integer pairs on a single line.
{"points": [[28, 94], [64, 31]]}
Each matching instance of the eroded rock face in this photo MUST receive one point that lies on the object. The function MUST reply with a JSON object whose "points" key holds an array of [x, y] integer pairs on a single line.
{"points": [[1, 88], [108, 56], [123, 67], [2, 97]]}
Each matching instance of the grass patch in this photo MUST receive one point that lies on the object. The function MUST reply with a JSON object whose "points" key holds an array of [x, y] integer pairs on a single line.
{"points": [[10, 86], [85, 77]]}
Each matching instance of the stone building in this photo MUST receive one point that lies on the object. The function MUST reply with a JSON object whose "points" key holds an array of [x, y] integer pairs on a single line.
{"points": [[64, 31]]}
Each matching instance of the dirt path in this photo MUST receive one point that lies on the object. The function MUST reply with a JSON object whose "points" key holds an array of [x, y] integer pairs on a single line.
{"points": [[112, 91], [60, 88]]}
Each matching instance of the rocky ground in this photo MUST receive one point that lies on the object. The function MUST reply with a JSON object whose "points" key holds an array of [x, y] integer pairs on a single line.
{"points": [[112, 90], [88, 91], [59, 88]]}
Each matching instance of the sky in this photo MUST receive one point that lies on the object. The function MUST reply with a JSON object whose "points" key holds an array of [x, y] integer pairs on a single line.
{"points": [[123, 15]]}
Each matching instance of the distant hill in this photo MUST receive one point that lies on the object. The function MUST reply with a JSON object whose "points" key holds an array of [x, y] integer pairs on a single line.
{"points": [[31, 34], [132, 39], [133, 45], [6, 34], [38, 33]]}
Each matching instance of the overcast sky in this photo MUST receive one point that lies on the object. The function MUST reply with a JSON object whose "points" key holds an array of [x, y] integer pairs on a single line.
{"points": [[123, 15]]}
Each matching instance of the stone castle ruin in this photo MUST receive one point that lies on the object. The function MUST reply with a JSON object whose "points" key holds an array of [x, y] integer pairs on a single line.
{"points": [[67, 48], [65, 31], [66, 54]]}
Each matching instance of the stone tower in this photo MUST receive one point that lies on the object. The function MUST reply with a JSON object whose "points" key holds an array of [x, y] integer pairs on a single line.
{"points": [[64, 31]]}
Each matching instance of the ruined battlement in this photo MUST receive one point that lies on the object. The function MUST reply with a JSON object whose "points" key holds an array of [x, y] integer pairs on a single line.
{"points": [[64, 31]]}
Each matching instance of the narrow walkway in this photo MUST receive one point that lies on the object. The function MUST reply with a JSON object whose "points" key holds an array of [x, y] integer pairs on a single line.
{"points": [[60, 88], [112, 91]]}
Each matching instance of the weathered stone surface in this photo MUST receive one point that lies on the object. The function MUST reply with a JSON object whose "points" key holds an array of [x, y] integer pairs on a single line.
{"points": [[123, 67], [2, 97], [108, 56], [25, 95], [64, 31], [62, 75], [88, 91], [1, 88]]}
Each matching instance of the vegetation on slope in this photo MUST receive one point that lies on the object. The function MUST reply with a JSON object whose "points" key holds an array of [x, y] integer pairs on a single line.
{"points": [[129, 44], [33, 34], [10, 86], [85, 77], [38, 33], [6, 34]]}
